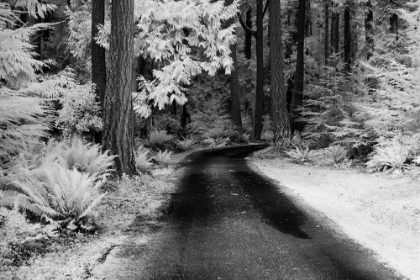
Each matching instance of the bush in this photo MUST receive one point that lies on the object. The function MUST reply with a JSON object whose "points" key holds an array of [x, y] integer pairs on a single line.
{"points": [[80, 111], [163, 157], [56, 193], [389, 155], [142, 159], [157, 138], [86, 158], [301, 154]]}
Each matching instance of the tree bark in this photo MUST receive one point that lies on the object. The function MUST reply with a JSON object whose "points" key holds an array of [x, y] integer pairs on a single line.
{"points": [[279, 115], [347, 38], [369, 30], [248, 35], [394, 25], [118, 122], [235, 109], [98, 58], [335, 31], [327, 32], [297, 96], [259, 95]]}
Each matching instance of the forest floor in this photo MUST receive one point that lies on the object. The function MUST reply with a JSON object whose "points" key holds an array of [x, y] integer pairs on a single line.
{"points": [[131, 207], [380, 212]]}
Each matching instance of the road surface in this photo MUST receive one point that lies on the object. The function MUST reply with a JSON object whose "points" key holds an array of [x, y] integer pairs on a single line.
{"points": [[228, 222]]}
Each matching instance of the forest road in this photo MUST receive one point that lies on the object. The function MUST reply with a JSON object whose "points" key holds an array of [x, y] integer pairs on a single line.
{"points": [[228, 222]]}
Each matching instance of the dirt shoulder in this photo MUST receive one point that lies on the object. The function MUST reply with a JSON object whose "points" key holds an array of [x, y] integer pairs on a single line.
{"points": [[380, 212]]}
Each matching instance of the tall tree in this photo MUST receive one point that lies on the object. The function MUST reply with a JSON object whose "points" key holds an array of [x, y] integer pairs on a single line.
{"points": [[347, 38], [335, 30], [259, 94], [369, 30], [118, 122], [248, 35], [235, 108], [98, 56], [297, 96], [279, 114], [327, 31]]}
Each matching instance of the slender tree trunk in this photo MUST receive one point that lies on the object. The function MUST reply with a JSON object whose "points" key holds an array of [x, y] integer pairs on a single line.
{"points": [[248, 35], [235, 109], [118, 122], [259, 95], [347, 38], [394, 25], [279, 115], [297, 97], [98, 58], [335, 31], [235, 102], [369, 30], [327, 32]]}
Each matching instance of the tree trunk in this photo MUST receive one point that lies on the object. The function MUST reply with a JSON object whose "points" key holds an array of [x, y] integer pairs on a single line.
{"points": [[369, 30], [327, 32], [235, 109], [279, 115], [297, 96], [98, 58], [394, 25], [248, 35], [347, 38], [335, 31], [259, 95], [118, 122]]}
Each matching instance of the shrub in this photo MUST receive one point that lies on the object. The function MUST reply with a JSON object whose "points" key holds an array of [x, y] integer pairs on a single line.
{"points": [[57, 193], [336, 153], [389, 155], [163, 157], [301, 154], [157, 138], [142, 159], [86, 158], [186, 144], [80, 111]]}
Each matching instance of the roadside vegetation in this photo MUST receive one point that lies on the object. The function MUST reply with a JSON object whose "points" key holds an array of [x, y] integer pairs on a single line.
{"points": [[86, 152]]}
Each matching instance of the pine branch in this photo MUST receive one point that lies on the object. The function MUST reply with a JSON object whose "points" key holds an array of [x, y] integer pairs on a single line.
{"points": [[245, 27]]}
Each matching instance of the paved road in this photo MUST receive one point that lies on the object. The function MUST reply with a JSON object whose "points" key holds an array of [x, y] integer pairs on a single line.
{"points": [[228, 222]]}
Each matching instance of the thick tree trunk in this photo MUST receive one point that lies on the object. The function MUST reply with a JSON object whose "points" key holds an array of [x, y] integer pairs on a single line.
{"points": [[248, 35], [369, 30], [327, 32], [297, 96], [235, 109], [335, 31], [279, 115], [259, 95], [347, 38], [118, 122]]}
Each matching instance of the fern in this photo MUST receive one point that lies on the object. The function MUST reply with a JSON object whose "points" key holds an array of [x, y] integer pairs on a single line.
{"points": [[56, 192], [336, 154], [86, 158], [186, 144], [158, 138], [389, 155], [163, 157], [142, 159], [301, 154]]}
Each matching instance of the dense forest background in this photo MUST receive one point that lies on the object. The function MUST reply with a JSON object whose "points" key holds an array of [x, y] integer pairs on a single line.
{"points": [[141, 79]]}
